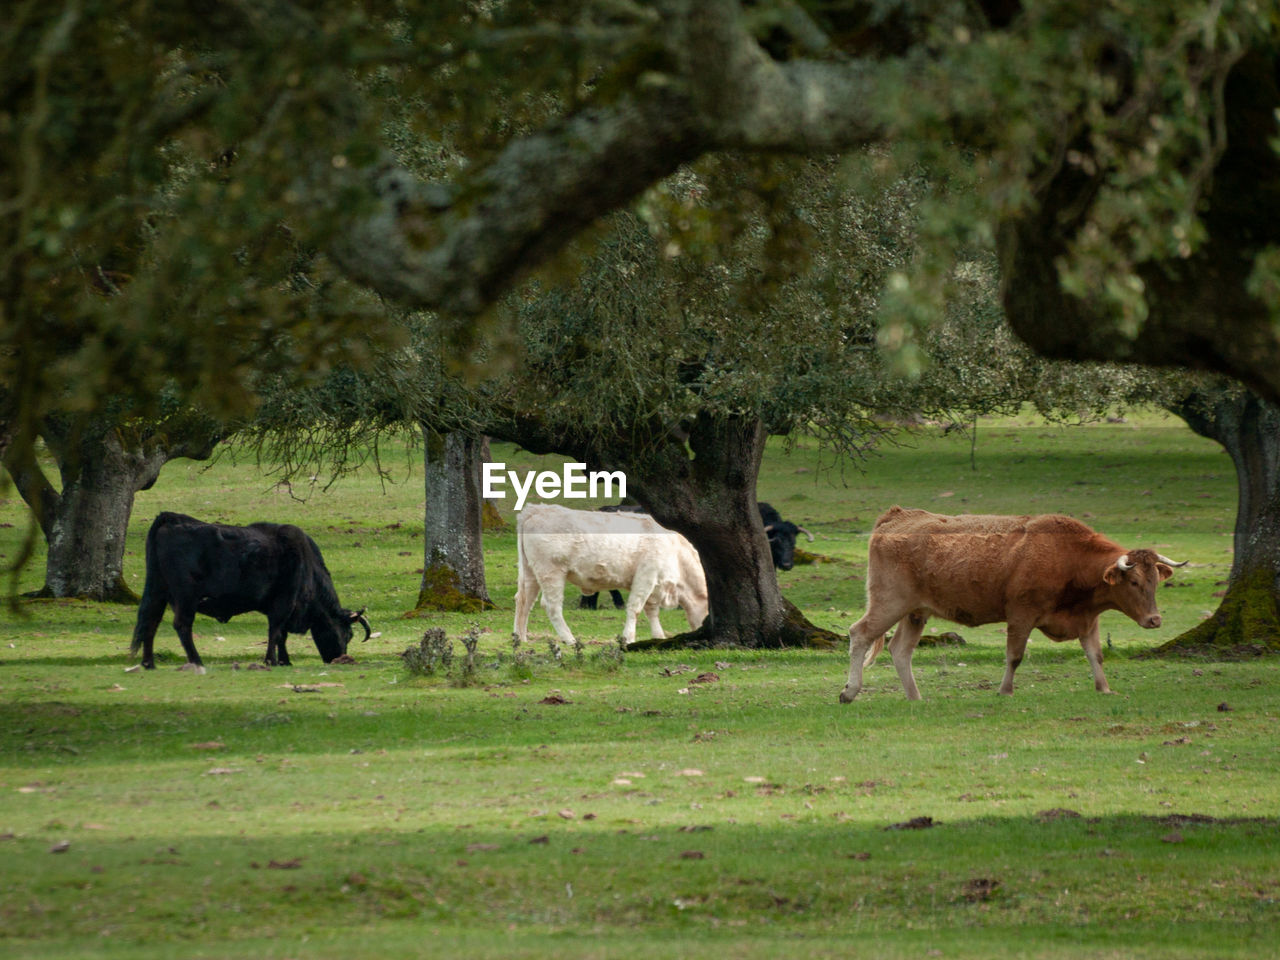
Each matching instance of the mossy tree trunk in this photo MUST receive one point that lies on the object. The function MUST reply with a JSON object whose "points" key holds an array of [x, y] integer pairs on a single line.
{"points": [[453, 546], [1247, 621]]}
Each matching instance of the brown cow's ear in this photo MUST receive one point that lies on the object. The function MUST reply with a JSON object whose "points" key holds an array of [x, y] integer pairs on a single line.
{"points": [[1164, 570], [1112, 574]]}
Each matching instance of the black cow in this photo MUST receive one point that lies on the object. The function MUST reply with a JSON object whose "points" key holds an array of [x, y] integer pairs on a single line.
{"points": [[782, 536], [222, 571]]}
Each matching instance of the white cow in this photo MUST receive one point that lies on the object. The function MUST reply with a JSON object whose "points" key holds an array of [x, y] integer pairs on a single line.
{"points": [[605, 551]]}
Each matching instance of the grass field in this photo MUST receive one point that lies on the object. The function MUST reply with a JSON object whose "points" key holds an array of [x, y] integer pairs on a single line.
{"points": [[358, 811]]}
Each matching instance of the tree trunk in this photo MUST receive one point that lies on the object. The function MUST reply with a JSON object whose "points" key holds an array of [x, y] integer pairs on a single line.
{"points": [[85, 524], [453, 547], [710, 497], [1247, 622]]}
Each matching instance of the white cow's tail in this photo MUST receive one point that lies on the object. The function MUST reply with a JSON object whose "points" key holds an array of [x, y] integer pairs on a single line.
{"points": [[521, 582], [873, 651], [519, 545]]}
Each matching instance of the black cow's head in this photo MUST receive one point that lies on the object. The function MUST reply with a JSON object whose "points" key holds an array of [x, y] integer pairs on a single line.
{"points": [[782, 543], [333, 633], [782, 536]]}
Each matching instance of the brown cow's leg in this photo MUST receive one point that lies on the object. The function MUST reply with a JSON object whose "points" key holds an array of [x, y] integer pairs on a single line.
{"points": [[866, 638], [1015, 646], [903, 645], [1093, 650]]}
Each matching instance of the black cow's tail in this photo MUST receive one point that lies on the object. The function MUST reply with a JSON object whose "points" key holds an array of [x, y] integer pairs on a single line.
{"points": [[154, 596]]}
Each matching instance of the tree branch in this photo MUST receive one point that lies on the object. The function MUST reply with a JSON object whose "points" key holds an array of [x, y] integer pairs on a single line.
{"points": [[32, 484], [458, 248], [751, 102]]}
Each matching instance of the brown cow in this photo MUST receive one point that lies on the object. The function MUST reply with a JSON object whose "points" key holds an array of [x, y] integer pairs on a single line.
{"points": [[1048, 572]]}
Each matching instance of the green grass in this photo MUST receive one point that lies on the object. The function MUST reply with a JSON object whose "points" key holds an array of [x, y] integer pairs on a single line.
{"points": [[369, 813]]}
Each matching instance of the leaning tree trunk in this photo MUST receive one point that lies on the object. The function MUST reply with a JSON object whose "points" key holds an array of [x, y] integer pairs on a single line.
{"points": [[1247, 621], [453, 550], [710, 497], [85, 523]]}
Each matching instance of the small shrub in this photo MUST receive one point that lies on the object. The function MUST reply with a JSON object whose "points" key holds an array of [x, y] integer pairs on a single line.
{"points": [[466, 673], [610, 657], [434, 652]]}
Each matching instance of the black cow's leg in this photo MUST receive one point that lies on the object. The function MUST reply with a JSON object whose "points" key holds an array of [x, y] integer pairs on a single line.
{"points": [[183, 618], [277, 655], [150, 613], [588, 601], [618, 602]]}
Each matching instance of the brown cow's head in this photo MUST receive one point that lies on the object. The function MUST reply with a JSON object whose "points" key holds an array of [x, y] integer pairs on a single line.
{"points": [[1132, 580]]}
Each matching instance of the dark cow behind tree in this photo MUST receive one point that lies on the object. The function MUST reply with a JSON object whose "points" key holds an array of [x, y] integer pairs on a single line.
{"points": [[222, 571], [782, 536], [782, 544], [1048, 572]]}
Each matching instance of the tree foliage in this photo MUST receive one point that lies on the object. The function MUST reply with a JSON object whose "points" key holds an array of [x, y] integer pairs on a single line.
{"points": [[200, 191]]}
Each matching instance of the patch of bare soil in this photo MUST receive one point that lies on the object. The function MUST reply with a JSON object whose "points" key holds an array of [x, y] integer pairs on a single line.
{"points": [[915, 823]]}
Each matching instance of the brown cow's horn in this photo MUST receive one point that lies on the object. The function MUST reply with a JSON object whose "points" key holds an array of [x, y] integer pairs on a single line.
{"points": [[1123, 563], [806, 533], [1173, 563], [359, 617]]}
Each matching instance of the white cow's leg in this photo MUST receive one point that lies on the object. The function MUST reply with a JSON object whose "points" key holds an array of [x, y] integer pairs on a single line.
{"points": [[1093, 651], [553, 603], [903, 646], [526, 595], [651, 613], [642, 585], [1015, 645], [865, 638]]}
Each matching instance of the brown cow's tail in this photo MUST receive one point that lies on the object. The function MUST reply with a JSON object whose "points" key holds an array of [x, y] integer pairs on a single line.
{"points": [[873, 652]]}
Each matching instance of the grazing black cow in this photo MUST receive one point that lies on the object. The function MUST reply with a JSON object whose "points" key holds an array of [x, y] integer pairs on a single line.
{"points": [[782, 536], [222, 571]]}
